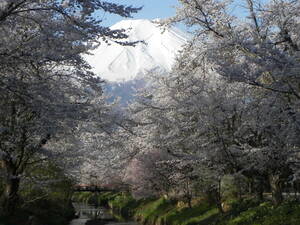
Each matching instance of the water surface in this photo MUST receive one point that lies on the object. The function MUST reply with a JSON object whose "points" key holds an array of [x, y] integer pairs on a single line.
{"points": [[87, 212]]}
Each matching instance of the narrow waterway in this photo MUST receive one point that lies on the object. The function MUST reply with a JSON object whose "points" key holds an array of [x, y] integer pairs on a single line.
{"points": [[86, 212]]}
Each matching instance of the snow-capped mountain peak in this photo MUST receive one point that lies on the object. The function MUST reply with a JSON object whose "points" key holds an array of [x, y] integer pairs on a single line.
{"points": [[156, 52]]}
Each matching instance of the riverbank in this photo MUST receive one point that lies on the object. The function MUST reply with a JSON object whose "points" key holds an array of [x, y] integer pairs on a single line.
{"points": [[46, 212], [164, 211], [41, 204]]}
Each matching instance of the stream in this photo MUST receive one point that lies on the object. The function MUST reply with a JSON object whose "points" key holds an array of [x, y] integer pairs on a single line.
{"points": [[86, 212]]}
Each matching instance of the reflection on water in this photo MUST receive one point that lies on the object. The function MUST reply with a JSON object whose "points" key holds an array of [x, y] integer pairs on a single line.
{"points": [[91, 212], [87, 212], [79, 221], [123, 223]]}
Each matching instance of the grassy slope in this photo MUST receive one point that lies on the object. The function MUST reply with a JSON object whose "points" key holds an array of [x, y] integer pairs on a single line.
{"points": [[247, 213], [168, 212]]}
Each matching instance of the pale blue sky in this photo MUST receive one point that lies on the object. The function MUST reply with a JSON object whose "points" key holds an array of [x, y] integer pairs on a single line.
{"points": [[152, 9]]}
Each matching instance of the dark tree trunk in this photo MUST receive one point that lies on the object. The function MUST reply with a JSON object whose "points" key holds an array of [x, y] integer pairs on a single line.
{"points": [[189, 200], [188, 194], [219, 197], [239, 189], [276, 189], [10, 197], [214, 197], [260, 191], [251, 186], [260, 195]]}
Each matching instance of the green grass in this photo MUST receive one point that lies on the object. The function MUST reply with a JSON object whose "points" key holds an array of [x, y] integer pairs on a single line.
{"points": [[287, 213], [247, 212], [153, 211], [187, 215], [163, 211], [190, 216], [123, 204]]}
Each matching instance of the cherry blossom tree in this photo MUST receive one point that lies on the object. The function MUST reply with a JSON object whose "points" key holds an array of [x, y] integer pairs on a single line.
{"points": [[48, 94], [259, 50], [144, 175], [235, 128]]}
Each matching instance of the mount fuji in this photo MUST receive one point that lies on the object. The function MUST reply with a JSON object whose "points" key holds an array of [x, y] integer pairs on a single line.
{"points": [[125, 67]]}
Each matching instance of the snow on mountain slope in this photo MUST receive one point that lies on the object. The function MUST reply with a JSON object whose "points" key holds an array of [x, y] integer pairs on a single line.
{"points": [[117, 63]]}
